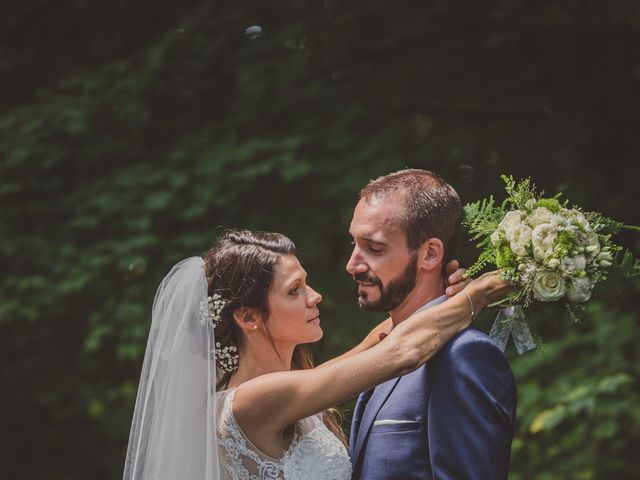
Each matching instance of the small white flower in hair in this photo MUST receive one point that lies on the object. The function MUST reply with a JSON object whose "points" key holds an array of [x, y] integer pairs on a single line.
{"points": [[211, 309]]}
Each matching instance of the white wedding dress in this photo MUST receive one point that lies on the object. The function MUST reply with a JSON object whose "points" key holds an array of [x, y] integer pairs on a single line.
{"points": [[314, 454]]}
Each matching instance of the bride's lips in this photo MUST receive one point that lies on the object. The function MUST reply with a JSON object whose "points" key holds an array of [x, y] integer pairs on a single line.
{"points": [[316, 317]]}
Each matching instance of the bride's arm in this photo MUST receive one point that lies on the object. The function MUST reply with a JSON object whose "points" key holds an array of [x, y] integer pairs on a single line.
{"points": [[273, 401]]}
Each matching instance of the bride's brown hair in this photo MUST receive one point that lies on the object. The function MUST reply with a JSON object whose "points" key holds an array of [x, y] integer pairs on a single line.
{"points": [[240, 268]]}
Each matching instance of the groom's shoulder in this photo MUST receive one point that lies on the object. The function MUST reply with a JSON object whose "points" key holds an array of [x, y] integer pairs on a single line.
{"points": [[472, 342]]}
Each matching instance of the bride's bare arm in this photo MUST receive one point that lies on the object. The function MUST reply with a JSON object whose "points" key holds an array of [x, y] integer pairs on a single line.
{"points": [[273, 401]]}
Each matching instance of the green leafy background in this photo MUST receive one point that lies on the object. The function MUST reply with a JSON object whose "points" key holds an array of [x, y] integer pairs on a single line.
{"points": [[130, 132]]}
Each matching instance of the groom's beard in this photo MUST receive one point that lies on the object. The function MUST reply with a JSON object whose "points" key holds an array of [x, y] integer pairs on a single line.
{"points": [[394, 293]]}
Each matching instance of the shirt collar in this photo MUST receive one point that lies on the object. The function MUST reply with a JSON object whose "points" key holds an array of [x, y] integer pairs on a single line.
{"points": [[432, 303]]}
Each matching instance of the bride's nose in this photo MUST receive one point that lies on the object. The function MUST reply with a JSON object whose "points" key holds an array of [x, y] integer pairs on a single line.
{"points": [[313, 297]]}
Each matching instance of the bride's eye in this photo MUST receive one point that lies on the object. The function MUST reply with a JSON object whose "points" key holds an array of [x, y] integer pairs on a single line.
{"points": [[295, 291]]}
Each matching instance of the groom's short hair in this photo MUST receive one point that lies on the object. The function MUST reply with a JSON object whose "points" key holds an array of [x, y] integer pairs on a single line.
{"points": [[432, 206]]}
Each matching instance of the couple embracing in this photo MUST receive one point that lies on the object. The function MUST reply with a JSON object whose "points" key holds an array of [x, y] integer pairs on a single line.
{"points": [[228, 390]]}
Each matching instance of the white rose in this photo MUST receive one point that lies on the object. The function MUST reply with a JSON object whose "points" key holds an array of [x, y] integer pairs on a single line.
{"points": [[548, 286], [510, 220], [543, 236], [539, 216], [580, 290], [519, 238]]}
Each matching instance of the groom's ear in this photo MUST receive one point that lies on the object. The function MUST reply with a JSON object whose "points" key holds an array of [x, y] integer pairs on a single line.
{"points": [[247, 318], [431, 254]]}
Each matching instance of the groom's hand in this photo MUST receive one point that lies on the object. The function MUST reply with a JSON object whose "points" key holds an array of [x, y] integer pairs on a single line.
{"points": [[455, 278]]}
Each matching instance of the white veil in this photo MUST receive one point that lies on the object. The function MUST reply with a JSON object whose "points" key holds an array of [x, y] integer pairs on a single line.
{"points": [[173, 432]]}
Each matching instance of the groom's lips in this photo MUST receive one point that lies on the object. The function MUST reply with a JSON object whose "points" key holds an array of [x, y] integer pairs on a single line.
{"points": [[364, 289]]}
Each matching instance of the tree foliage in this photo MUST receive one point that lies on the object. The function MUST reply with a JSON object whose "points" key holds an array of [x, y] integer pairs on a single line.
{"points": [[131, 131]]}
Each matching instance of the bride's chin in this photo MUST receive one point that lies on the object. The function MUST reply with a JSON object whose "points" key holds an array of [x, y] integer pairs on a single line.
{"points": [[319, 336]]}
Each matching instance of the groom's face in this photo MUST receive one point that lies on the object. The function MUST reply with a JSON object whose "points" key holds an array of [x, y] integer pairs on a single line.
{"points": [[381, 262]]}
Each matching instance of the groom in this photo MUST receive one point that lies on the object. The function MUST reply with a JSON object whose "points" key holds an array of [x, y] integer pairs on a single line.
{"points": [[454, 417]]}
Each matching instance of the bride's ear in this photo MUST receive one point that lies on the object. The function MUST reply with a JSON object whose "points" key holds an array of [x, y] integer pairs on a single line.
{"points": [[247, 319]]}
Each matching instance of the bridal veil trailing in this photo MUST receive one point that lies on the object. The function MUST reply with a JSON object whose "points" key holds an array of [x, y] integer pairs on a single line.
{"points": [[173, 432]]}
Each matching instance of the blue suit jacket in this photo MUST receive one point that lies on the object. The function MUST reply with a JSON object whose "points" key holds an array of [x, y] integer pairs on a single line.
{"points": [[453, 418]]}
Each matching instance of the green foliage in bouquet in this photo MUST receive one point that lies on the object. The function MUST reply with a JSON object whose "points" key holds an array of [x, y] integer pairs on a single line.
{"points": [[549, 250]]}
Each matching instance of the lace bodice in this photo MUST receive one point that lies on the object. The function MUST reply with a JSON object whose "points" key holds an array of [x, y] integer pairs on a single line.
{"points": [[314, 454]]}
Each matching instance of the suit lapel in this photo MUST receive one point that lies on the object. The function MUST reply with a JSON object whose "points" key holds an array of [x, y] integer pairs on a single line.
{"points": [[369, 404], [371, 409], [363, 398]]}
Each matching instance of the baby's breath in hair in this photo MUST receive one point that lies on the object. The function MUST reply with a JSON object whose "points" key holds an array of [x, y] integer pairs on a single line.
{"points": [[211, 310]]}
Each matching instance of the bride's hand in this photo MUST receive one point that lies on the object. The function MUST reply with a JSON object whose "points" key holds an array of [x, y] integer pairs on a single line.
{"points": [[487, 289], [455, 278]]}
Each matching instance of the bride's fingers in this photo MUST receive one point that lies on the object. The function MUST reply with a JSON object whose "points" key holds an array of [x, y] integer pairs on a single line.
{"points": [[457, 287], [450, 268], [457, 276]]}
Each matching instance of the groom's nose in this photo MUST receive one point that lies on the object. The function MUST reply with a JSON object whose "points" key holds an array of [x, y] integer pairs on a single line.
{"points": [[356, 263]]}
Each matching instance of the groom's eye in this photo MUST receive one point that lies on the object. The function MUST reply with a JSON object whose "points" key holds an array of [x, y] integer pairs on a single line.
{"points": [[372, 249]]}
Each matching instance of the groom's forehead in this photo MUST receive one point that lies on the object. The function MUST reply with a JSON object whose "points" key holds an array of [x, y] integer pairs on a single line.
{"points": [[375, 231], [383, 233], [378, 217]]}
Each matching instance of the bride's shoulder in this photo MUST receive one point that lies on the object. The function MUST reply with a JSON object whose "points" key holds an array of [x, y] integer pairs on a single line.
{"points": [[224, 404], [225, 394]]}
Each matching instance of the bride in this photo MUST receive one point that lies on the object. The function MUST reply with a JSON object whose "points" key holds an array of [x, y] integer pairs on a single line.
{"points": [[227, 389]]}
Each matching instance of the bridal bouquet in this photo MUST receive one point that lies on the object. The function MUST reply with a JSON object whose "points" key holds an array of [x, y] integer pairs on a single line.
{"points": [[550, 251]]}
